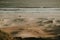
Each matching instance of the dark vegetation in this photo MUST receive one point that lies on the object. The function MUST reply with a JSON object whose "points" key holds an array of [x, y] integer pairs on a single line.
{"points": [[19, 20], [5, 36], [44, 21], [15, 32], [33, 38]]}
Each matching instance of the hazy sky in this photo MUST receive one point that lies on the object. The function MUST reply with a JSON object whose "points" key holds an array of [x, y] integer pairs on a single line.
{"points": [[30, 3]]}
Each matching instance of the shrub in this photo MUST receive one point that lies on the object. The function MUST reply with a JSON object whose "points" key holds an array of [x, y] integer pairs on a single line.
{"points": [[5, 36]]}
